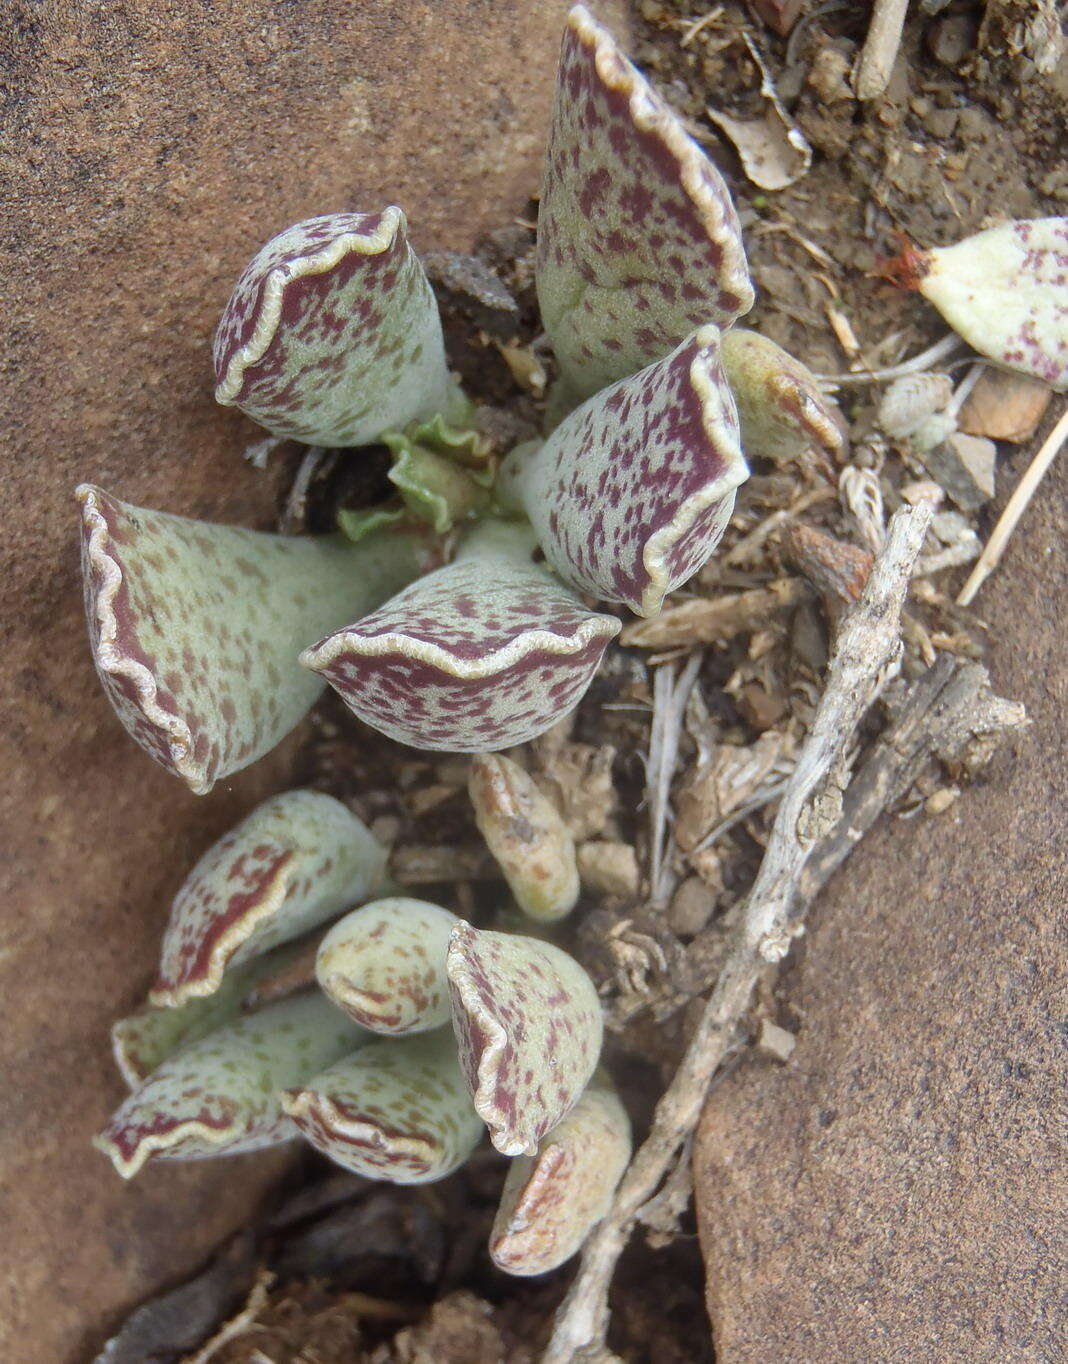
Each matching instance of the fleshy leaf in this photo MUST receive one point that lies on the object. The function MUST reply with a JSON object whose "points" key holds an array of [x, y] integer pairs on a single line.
{"points": [[552, 1201], [142, 1041], [1004, 290], [218, 1096], [434, 488], [638, 241], [781, 408], [297, 860], [632, 492], [384, 965], [195, 628], [483, 654], [529, 1025], [357, 525], [396, 1110], [332, 334], [527, 835]]}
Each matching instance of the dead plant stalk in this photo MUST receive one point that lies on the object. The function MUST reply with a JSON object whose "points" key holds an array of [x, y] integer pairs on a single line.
{"points": [[866, 652]]}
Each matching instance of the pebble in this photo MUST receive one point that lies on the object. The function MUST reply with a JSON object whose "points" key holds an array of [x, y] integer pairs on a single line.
{"points": [[692, 905], [1005, 406], [952, 39], [964, 466], [941, 123]]}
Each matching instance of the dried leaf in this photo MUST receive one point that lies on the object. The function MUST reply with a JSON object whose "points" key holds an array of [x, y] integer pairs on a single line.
{"points": [[526, 835], [552, 1200], [706, 620], [772, 149]]}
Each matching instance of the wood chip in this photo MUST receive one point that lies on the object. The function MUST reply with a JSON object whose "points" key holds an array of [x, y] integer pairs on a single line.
{"points": [[1005, 406], [713, 620]]}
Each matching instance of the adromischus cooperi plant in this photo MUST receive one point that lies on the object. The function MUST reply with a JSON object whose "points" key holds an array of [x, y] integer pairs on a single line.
{"points": [[213, 642], [423, 1032]]}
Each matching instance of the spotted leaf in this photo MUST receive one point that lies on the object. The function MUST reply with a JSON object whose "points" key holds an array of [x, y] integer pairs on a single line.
{"points": [[638, 241], [527, 835], [332, 334], [781, 408], [553, 1200], [631, 492], [529, 1025], [483, 654], [384, 965], [1005, 291], [396, 1110], [297, 860], [218, 1095], [196, 628], [143, 1040]]}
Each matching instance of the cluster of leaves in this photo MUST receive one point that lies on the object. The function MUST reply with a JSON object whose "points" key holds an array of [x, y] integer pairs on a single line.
{"points": [[213, 642]]}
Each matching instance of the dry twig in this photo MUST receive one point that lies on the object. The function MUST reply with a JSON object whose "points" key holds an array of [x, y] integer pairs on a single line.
{"points": [[670, 695], [880, 48], [867, 649], [1014, 509]]}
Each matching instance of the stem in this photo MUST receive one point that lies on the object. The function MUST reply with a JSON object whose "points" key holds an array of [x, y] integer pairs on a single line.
{"points": [[1014, 509]]}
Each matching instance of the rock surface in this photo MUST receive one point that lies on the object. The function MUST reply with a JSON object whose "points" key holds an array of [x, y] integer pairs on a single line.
{"points": [[152, 149], [891, 1193]]}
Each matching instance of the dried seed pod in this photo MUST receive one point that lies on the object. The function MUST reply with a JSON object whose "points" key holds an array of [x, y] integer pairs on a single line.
{"points": [[1003, 290], [529, 1024], [638, 240], [781, 407], [294, 862], [332, 334], [396, 1110], [527, 836], [384, 964], [217, 1096], [553, 1200]]}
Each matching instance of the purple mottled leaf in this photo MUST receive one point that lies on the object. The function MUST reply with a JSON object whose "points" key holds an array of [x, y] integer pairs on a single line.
{"points": [[332, 334], [1005, 291], [781, 408], [632, 492], [143, 1040], [552, 1201], [384, 964], [638, 241], [297, 860], [218, 1095], [195, 628], [396, 1109], [529, 1025], [483, 654]]}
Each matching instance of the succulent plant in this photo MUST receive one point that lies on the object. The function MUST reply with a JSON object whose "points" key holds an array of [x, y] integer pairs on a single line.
{"points": [[332, 336], [212, 642]]}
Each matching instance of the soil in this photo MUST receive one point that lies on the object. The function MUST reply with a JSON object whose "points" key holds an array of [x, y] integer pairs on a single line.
{"points": [[966, 135]]}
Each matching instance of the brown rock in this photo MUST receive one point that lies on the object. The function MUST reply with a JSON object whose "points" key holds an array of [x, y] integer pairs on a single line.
{"points": [[895, 1192], [151, 149], [1005, 406]]}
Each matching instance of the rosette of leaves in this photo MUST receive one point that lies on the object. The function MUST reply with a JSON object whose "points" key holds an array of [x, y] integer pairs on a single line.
{"points": [[423, 1032], [332, 336]]}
